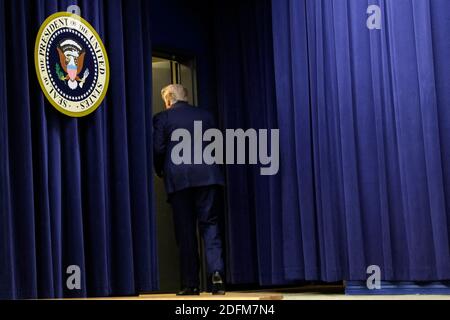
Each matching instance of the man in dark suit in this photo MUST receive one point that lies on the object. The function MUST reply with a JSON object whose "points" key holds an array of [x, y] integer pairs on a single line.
{"points": [[192, 190]]}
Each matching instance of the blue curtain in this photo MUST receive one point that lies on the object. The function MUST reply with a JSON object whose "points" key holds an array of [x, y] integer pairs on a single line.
{"points": [[365, 138], [246, 99], [364, 119], [76, 191]]}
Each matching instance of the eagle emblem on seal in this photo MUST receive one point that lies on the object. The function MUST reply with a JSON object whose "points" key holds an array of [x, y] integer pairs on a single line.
{"points": [[71, 60]]}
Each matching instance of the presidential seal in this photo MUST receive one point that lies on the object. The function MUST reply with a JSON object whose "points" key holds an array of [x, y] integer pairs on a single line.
{"points": [[71, 64]]}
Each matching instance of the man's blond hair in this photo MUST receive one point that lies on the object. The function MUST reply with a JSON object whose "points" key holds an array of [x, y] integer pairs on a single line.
{"points": [[174, 93]]}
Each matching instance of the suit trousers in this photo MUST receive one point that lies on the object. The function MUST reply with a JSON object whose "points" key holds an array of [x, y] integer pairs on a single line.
{"points": [[189, 206]]}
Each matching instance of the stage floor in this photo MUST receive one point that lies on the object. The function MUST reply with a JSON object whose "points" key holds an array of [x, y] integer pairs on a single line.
{"points": [[208, 296], [270, 296], [292, 296], [303, 293], [286, 297]]}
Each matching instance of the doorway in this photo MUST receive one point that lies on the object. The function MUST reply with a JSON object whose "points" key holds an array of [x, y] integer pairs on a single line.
{"points": [[169, 69]]}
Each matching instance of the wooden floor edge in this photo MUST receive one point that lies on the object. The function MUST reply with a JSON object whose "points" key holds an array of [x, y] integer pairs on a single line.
{"points": [[207, 296]]}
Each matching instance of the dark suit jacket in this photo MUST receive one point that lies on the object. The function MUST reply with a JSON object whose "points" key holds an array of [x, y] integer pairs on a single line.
{"points": [[182, 176]]}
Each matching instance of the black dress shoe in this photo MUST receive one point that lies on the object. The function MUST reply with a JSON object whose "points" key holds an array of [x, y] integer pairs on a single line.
{"points": [[189, 291], [218, 287]]}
